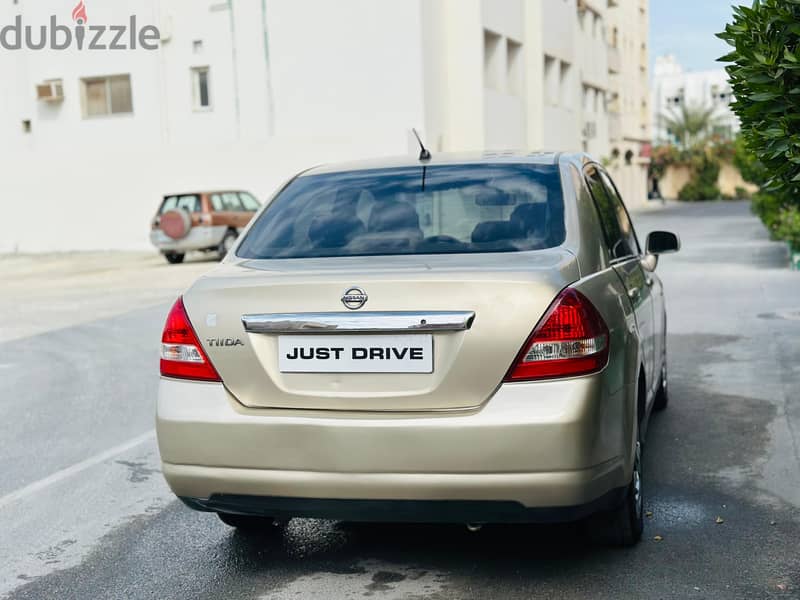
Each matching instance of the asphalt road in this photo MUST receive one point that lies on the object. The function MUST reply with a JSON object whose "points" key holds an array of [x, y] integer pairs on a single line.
{"points": [[84, 512]]}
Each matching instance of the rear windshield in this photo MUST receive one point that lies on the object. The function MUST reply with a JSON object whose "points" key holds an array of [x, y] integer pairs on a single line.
{"points": [[188, 202], [412, 210]]}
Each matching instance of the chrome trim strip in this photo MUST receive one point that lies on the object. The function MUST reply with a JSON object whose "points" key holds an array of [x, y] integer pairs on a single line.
{"points": [[364, 322]]}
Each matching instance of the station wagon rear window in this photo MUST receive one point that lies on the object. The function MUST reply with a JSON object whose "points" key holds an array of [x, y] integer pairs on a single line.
{"points": [[188, 202], [447, 209]]}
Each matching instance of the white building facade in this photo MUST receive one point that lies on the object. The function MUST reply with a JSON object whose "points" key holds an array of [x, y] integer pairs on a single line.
{"points": [[243, 94], [629, 105], [673, 87]]}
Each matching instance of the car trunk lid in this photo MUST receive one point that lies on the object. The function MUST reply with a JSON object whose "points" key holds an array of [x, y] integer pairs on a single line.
{"points": [[470, 313]]}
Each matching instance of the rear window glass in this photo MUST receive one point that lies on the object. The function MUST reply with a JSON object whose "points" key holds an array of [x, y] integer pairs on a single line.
{"points": [[412, 210], [189, 203]]}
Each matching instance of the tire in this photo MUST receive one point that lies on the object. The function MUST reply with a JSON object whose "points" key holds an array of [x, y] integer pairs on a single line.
{"points": [[174, 258], [227, 243], [176, 223], [624, 525], [662, 396], [247, 522]]}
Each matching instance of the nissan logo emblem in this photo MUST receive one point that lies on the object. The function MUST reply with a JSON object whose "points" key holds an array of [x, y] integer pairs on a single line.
{"points": [[354, 298]]}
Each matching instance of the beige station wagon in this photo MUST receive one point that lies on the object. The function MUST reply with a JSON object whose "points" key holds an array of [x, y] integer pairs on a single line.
{"points": [[204, 221], [463, 338]]}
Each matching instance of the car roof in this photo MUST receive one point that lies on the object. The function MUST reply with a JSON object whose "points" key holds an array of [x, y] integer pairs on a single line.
{"points": [[196, 193], [440, 158]]}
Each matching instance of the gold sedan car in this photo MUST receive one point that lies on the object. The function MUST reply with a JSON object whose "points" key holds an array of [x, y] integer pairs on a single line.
{"points": [[463, 338]]}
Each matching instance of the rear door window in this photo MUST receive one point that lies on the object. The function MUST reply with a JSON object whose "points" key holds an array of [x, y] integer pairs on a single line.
{"points": [[625, 225], [618, 234], [413, 210], [188, 202], [226, 201]]}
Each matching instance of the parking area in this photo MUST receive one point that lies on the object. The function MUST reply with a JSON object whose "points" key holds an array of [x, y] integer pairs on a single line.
{"points": [[43, 292]]}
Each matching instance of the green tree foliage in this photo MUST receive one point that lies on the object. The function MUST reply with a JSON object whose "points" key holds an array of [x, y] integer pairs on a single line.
{"points": [[765, 78], [749, 166], [787, 226], [703, 183], [691, 125]]}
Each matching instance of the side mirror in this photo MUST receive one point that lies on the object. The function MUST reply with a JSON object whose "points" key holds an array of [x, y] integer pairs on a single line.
{"points": [[662, 242]]}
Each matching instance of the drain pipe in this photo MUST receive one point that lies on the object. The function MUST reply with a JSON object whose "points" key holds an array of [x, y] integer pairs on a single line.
{"points": [[235, 71], [268, 78]]}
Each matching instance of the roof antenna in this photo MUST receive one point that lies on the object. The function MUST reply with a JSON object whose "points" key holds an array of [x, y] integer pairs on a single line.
{"points": [[424, 154]]}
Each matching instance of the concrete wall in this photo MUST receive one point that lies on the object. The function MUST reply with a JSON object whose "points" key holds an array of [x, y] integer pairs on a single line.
{"points": [[729, 179], [344, 73], [561, 123], [504, 109]]}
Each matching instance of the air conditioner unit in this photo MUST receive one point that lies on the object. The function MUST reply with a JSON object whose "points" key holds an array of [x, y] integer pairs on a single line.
{"points": [[50, 91]]}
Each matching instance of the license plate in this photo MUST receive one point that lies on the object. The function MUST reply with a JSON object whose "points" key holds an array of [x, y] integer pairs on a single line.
{"points": [[355, 353]]}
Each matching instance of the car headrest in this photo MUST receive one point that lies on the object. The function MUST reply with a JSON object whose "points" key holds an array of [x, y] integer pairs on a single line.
{"points": [[530, 217], [347, 199], [495, 231], [392, 215], [333, 231]]}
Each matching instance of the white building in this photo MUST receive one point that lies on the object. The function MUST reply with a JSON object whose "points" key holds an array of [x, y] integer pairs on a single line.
{"points": [[673, 87], [243, 93]]}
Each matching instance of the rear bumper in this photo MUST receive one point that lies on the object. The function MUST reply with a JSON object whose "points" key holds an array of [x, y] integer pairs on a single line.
{"points": [[200, 237], [557, 447], [415, 511]]}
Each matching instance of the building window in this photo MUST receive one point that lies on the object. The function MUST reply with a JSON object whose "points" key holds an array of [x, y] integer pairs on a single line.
{"points": [[563, 82], [201, 95], [491, 59], [26, 126], [106, 95], [551, 76], [514, 67], [557, 79]]}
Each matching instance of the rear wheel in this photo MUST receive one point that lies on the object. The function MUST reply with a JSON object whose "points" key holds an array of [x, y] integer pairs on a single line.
{"points": [[662, 398], [624, 525], [247, 522], [226, 244], [174, 258]]}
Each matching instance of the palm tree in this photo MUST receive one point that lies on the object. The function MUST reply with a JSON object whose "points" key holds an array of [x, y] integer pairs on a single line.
{"points": [[690, 124]]}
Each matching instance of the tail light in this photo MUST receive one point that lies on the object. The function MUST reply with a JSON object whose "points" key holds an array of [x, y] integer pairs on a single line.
{"points": [[182, 355], [570, 340]]}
